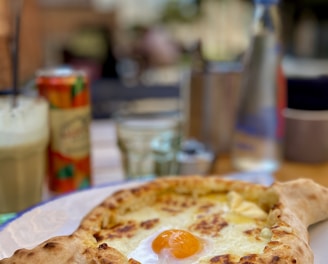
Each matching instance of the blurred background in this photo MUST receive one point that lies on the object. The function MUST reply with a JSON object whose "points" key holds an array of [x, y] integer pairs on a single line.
{"points": [[136, 49], [137, 54]]}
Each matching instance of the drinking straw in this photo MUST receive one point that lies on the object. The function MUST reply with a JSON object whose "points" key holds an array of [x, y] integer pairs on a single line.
{"points": [[17, 10]]}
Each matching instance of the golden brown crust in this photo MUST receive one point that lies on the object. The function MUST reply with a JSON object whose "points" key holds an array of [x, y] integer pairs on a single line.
{"points": [[134, 198], [292, 207], [308, 199], [67, 249]]}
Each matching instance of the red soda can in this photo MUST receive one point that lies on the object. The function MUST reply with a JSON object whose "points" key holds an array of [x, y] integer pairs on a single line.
{"points": [[69, 159]]}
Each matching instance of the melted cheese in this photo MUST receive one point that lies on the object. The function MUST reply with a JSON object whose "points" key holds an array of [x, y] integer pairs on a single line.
{"points": [[243, 227], [246, 208], [234, 241]]}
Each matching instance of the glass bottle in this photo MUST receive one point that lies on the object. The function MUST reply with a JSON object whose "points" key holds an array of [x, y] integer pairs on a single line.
{"points": [[259, 124]]}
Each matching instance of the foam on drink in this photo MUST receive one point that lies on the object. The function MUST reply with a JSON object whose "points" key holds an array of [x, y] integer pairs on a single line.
{"points": [[24, 137]]}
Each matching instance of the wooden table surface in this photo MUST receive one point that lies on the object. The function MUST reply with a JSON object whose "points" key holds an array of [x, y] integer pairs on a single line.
{"points": [[288, 170], [107, 161]]}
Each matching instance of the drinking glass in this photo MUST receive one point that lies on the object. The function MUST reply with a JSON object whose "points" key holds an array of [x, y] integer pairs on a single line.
{"points": [[148, 143], [24, 137]]}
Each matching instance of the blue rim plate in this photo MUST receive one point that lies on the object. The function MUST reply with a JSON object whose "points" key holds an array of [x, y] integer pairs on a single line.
{"points": [[13, 216], [258, 177], [58, 216], [62, 215]]}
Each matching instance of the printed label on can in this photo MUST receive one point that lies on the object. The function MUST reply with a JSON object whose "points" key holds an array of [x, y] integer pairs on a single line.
{"points": [[70, 131], [69, 160], [69, 149]]}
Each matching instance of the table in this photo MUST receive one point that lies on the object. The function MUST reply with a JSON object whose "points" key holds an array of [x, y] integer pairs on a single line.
{"points": [[107, 162], [288, 170]]}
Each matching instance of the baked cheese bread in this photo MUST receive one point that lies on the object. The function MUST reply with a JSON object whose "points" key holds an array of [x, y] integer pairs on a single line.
{"points": [[193, 219]]}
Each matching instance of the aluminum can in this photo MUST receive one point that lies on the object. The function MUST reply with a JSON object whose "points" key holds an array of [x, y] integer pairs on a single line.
{"points": [[69, 161]]}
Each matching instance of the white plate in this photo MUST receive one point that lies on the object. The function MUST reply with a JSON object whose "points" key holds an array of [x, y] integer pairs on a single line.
{"points": [[63, 215], [319, 242], [60, 216]]}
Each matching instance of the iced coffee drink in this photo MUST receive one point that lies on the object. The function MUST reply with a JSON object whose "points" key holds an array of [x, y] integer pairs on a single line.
{"points": [[23, 144]]}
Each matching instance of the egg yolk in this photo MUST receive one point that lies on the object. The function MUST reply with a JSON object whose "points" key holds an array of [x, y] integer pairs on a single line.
{"points": [[181, 244]]}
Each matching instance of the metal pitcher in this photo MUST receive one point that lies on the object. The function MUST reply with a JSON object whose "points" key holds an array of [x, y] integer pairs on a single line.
{"points": [[210, 98]]}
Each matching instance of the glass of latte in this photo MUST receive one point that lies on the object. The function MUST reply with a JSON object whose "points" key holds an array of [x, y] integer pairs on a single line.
{"points": [[24, 137]]}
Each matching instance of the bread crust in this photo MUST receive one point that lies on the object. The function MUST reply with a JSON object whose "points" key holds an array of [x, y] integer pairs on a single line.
{"points": [[293, 207]]}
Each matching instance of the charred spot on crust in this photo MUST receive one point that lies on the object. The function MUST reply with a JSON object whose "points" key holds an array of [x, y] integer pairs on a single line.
{"points": [[98, 237], [175, 203], [209, 225], [275, 259], [123, 230], [109, 205], [30, 254], [253, 233], [138, 191], [120, 230], [103, 246], [248, 259], [170, 210], [222, 259], [50, 245], [148, 224], [312, 197], [20, 251], [133, 261], [120, 199], [274, 243], [276, 206], [134, 191], [280, 233]]}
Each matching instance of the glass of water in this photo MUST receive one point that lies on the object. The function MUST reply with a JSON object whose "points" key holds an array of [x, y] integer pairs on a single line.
{"points": [[148, 143]]}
